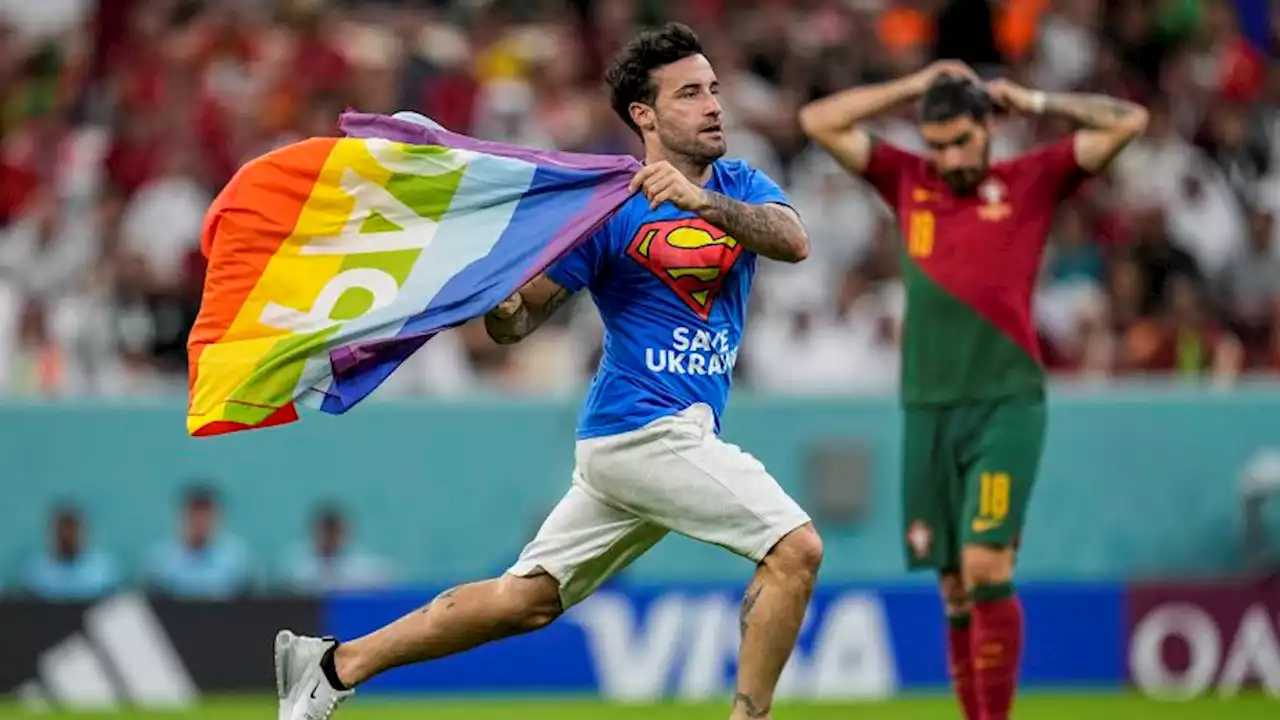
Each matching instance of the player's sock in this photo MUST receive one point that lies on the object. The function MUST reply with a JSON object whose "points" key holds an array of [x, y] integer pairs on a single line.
{"points": [[960, 659], [329, 670], [997, 648]]}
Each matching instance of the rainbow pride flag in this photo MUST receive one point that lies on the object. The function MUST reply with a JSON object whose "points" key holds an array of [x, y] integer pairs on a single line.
{"points": [[332, 260]]}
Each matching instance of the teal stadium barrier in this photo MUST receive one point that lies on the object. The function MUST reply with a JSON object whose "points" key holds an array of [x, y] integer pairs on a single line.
{"points": [[1136, 483]]}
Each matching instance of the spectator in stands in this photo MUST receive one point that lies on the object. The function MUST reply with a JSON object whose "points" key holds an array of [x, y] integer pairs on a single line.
{"points": [[1249, 288], [203, 561], [1184, 339], [1159, 258], [1242, 152], [1126, 292], [1074, 256], [70, 569], [330, 563]]}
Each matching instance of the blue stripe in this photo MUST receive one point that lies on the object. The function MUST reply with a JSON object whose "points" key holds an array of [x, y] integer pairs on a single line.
{"points": [[554, 197]]}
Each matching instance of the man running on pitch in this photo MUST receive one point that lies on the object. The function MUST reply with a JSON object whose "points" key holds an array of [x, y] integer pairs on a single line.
{"points": [[670, 274]]}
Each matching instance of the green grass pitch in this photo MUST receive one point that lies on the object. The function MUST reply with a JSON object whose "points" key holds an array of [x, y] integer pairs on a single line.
{"points": [[1031, 707]]}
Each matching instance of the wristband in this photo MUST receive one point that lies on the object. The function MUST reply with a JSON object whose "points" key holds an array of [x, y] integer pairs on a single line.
{"points": [[1039, 99]]}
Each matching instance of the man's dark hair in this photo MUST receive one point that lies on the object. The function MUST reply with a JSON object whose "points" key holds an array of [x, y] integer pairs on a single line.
{"points": [[65, 511], [951, 96], [630, 78], [330, 514], [202, 495]]}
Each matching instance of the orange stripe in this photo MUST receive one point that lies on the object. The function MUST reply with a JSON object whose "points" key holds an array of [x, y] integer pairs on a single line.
{"points": [[259, 208]]}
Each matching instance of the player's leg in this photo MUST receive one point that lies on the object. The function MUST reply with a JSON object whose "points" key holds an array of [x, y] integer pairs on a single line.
{"points": [[1003, 460], [959, 608], [580, 544], [678, 474], [929, 502], [772, 612]]}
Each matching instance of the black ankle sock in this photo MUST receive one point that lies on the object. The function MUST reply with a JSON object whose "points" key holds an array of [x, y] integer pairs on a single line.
{"points": [[331, 672]]}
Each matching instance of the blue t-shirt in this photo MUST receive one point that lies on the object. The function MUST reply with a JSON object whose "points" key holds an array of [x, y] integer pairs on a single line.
{"points": [[672, 292]]}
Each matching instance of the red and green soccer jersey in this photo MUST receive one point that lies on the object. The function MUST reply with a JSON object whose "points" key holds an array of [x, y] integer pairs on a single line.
{"points": [[970, 265]]}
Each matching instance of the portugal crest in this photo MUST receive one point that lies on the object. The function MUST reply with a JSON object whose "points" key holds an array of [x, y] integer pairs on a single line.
{"points": [[995, 200], [690, 256]]}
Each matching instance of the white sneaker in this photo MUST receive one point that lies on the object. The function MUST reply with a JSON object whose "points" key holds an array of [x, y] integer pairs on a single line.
{"points": [[304, 691]]}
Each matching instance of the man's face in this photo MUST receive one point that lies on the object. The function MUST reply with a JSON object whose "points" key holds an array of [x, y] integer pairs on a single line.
{"points": [[330, 536], [1184, 301], [201, 522], [960, 150], [66, 535], [1261, 227], [686, 112]]}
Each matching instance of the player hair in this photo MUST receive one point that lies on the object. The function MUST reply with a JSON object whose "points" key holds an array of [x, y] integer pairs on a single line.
{"points": [[951, 96], [630, 77]]}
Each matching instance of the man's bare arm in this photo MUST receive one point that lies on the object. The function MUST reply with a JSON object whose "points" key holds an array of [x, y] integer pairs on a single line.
{"points": [[518, 316], [833, 122], [1111, 125], [770, 230]]}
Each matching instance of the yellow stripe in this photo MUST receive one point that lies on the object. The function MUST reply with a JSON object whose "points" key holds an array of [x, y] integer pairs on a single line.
{"points": [[290, 279]]}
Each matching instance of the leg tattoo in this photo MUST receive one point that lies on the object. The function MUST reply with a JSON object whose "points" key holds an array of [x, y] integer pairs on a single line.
{"points": [[748, 604], [749, 706], [444, 599]]}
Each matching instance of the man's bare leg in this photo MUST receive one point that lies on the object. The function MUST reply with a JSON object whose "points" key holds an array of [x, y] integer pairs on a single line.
{"points": [[772, 612], [456, 620]]}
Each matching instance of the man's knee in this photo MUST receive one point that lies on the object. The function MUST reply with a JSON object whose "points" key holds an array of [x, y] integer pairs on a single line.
{"points": [[987, 565], [529, 603], [798, 554], [954, 594]]}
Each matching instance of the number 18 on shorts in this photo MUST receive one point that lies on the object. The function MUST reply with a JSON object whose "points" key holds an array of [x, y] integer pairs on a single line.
{"points": [[968, 471]]}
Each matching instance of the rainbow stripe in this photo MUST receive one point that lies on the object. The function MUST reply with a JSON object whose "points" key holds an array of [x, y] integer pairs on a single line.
{"points": [[333, 260]]}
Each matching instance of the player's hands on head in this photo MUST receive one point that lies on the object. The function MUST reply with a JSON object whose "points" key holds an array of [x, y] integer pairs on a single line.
{"points": [[662, 182], [1010, 96], [924, 78]]}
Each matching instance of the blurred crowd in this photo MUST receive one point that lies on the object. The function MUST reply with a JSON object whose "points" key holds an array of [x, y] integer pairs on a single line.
{"points": [[203, 560], [120, 119]]}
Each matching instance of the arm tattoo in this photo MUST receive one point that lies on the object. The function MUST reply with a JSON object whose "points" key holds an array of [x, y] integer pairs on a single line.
{"points": [[505, 331], [767, 231], [1095, 111]]}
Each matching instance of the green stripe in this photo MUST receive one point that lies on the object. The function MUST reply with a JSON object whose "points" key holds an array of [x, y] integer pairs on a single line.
{"points": [[427, 195], [273, 383]]}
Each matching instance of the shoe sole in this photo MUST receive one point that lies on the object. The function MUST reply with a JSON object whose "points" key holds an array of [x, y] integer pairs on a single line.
{"points": [[284, 639]]}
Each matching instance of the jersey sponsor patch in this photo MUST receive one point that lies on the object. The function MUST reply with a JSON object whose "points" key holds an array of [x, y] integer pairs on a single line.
{"points": [[690, 256]]}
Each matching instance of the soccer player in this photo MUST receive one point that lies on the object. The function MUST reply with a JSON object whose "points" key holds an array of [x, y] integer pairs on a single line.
{"points": [[972, 381], [670, 274]]}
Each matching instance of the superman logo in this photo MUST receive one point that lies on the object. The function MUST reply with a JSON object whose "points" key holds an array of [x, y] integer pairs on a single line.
{"points": [[690, 256]]}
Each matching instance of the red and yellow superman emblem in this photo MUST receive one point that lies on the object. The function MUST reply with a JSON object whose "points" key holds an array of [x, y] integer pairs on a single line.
{"points": [[691, 256]]}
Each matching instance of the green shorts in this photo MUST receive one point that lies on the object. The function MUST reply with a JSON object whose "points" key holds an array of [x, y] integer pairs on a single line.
{"points": [[967, 476]]}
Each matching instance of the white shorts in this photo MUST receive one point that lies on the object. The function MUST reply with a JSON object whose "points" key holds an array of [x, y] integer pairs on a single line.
{"points": [[630, 489]]}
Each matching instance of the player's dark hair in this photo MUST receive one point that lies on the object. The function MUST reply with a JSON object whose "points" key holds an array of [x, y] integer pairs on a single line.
{"points": [[951, 96], [630, 77]]}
